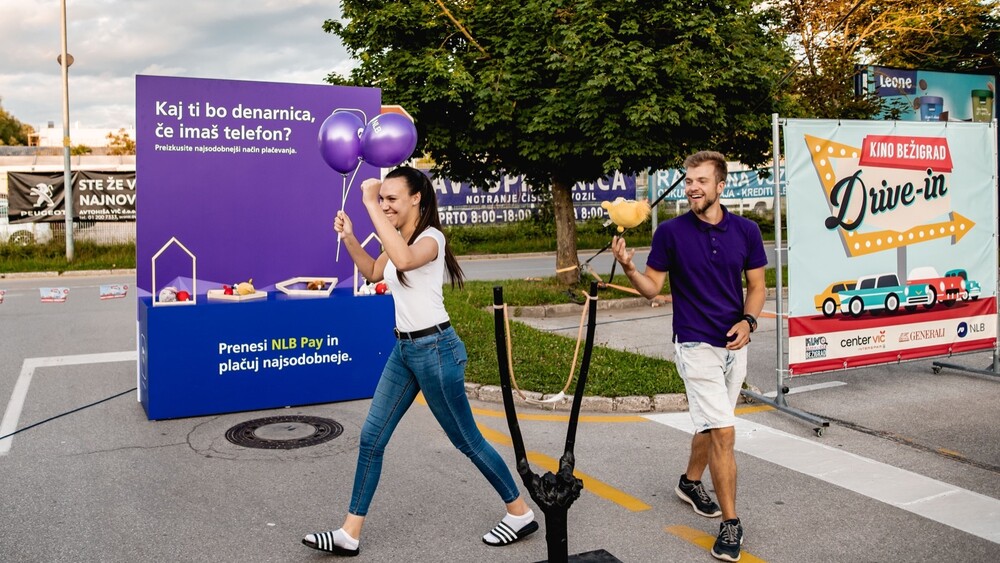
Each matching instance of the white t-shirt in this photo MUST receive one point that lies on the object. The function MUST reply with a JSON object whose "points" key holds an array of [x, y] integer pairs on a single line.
{"points": [[420, 303]]}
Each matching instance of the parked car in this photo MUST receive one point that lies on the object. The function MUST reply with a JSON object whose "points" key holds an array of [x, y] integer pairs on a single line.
{"points": [[970, 289], [873, 293], [22, 234], [828, 301]]}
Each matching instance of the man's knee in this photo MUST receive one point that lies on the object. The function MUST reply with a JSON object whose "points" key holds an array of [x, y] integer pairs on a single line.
{"points": [[724, 437]]}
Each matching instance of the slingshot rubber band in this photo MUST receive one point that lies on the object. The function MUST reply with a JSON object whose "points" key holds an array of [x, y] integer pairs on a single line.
{"points": [[510, 360], [626, 289]]}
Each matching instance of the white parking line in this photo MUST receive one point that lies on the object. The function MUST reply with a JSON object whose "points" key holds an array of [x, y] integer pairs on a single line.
{"points": [[953, 506], [17, 397]]}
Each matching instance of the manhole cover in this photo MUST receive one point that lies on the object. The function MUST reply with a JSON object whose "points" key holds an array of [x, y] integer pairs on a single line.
{"points": [[284, 432]]}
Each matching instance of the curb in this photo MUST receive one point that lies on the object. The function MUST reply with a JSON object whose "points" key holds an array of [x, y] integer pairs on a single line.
{"points": [[566, 309], [634, 404]]}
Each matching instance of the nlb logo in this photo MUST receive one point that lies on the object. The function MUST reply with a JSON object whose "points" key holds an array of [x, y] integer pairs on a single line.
{"points": [[965, 329]]}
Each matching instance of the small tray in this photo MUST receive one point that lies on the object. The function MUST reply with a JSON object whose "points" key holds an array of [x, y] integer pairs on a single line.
{"points": [[296, 287], [220, 295]]}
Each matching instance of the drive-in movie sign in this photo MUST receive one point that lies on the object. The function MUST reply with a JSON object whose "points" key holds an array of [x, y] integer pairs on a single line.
{"points": [[892, 252]]}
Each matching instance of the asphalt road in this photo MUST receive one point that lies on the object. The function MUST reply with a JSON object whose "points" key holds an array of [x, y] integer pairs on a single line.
{"points": [[543, 264], [907, 470]]}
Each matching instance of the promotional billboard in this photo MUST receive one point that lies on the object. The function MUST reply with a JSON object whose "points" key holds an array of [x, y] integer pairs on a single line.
{"points": [[97, 196], [892, 241], [512, 199], [923, 95], [750, 190], [234, 230]]}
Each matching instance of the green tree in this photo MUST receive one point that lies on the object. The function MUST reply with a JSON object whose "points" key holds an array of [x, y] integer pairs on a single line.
{"points": [[120, 143], [832, 38], [12, 131], [565, 92]]}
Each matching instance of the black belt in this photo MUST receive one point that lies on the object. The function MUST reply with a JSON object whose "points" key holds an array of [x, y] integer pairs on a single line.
{"points": [[420, 333]]}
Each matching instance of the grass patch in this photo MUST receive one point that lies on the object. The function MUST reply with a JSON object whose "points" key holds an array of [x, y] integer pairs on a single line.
{"points": [[51, 257], [542, 360], [533, 236]]}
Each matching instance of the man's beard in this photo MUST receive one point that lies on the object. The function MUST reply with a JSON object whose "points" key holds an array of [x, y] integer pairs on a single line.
{"points": [[699, 206]]}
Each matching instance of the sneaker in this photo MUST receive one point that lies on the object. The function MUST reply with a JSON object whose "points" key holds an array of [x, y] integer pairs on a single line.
{"points": [[727, 545], [693, 493]]}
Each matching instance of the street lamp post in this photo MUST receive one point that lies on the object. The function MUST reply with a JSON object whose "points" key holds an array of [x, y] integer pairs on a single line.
{"points": [[64, 61]]}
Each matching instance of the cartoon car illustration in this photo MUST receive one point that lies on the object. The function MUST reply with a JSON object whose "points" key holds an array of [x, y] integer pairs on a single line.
{"points": [[970, 289], [873, 293], [828, 301], [918, 294], [946, 289]]}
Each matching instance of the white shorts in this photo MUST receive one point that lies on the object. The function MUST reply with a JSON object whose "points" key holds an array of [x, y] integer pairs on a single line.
{"points": [[712, 378]]}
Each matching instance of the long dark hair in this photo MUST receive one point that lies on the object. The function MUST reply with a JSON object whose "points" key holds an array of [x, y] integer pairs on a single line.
{"points": [[418, 182]]}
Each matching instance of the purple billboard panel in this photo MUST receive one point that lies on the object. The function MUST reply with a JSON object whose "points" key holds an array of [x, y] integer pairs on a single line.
{"points": [[234, 186]]}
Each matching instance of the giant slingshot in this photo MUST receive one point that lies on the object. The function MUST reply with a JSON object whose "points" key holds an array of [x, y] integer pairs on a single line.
{"points": [[554, 493]]}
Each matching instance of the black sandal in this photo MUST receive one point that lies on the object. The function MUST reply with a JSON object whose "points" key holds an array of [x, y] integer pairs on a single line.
{"points": [[507, 535], [323, 541]]}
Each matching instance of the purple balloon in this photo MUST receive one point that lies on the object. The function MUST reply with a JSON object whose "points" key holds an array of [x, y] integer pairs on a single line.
{"points": [[388, 140], [340, 141]]}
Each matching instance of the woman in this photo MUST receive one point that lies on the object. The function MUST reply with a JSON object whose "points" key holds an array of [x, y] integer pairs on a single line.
{"points": [[428, 355]]}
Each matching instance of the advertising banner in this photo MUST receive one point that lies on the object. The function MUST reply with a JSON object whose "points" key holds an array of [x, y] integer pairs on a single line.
{"points": [[36, 197], [237, 208], [512, 199], [104, 196], [923, 95], [232, 171], [97, 196], [892, 241], [741, 184]]}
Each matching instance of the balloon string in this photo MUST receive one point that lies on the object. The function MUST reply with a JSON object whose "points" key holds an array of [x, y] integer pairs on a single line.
{"points": [[344, 190], [343, 198], [347, 190]]}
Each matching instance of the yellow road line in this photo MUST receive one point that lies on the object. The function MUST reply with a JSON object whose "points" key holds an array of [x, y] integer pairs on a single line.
{"points": [[705, 541], [591, 484], [561, 417], [750, 409]]}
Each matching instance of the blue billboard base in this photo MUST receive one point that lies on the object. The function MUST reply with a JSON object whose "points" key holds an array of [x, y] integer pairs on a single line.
{"points": [[222, 357]]}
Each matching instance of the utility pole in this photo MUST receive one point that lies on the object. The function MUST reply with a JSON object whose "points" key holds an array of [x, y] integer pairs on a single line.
{"points": [[64, 61]]}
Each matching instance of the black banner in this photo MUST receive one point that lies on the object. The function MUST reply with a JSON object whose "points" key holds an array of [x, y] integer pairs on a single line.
{"points": [[97, 196], [35, 197]]}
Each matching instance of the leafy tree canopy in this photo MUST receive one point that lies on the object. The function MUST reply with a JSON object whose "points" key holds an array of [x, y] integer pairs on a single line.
{"points": [[12, 131], [831, 37], [120, 143], [569, 91]]}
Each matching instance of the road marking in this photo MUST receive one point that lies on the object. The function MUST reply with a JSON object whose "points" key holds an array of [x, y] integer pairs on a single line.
{"points": [[953, 506], [595, 486], [705, 541], [750, 409], [590, 483], [28, 367], [805, 388]]}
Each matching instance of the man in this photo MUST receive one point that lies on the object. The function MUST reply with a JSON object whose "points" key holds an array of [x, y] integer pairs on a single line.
{"points": [[707, 252]]}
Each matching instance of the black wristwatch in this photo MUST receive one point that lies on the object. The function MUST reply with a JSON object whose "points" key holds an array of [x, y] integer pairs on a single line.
{"points": [[751, 320]]}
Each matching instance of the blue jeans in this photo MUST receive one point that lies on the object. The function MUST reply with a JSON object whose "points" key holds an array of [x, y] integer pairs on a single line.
{"points": [[433, 364]]}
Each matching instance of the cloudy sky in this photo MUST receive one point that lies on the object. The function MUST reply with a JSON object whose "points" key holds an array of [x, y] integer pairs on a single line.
{"points": [[113, 40]]}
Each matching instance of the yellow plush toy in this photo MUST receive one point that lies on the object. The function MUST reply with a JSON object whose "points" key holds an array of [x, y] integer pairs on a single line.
{"points": [[626, 213]]}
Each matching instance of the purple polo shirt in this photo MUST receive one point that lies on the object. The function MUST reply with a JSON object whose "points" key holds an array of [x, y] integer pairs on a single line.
{"points": [[705, 264]]}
